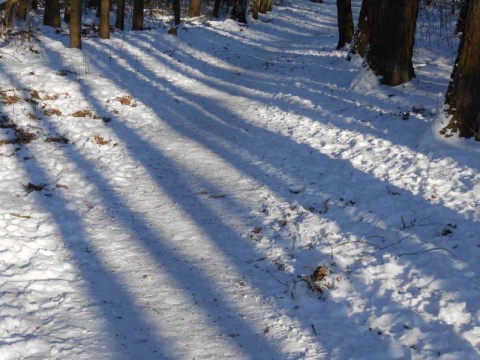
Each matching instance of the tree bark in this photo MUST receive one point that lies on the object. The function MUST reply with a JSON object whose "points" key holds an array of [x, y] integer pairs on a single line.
{"points": [[462, 17], [104, 19], [8, 8], [364, 28], [216, 8], [239, 11], [269, 5], [120, 20], [263, 7], [137, 21], [21, 12], [66, 15], [176, 11], [255, 8], [463, 94], [75, 24], [195, 8], [391, 42], [345, 22], [51, 16]]}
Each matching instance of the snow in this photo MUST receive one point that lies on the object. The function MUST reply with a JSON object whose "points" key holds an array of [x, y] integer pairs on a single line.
{"points": [[176, 195]]}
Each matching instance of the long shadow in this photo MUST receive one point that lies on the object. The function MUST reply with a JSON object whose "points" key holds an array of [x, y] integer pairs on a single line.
{"points": [[372, 119], [145, 152], [279, 187], [103, 286], [106, 291], [311, 92], [140, 149], [191, 128]]}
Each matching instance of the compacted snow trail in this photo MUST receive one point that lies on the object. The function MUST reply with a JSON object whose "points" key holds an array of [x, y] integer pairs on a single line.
{"points": [[232, 193]]}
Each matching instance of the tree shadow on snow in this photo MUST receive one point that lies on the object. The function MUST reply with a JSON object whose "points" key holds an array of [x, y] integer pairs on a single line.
{"points": [[213, 135], [267, 157]]}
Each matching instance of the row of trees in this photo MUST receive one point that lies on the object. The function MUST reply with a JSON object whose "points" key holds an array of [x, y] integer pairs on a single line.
{"points": [[385, 36], [238, 13], [73, 13]]}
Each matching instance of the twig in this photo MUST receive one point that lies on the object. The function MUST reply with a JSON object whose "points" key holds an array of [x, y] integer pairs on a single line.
{"points": [[3, 54], [362, 242], [428, 250], [381, 248], [331, 247], [281, 282]]}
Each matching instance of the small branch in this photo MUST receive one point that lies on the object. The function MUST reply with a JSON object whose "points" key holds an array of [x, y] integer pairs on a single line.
{"points": [[362, 242], [273, 276], [421, 251], [3, 54], [331, 247]]}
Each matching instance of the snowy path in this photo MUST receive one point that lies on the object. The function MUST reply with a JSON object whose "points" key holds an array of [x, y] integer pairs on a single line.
{"points": [[206, 176]]}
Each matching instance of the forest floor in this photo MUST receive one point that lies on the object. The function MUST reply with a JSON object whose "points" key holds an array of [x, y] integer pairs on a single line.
{"points": [[235, 192]]}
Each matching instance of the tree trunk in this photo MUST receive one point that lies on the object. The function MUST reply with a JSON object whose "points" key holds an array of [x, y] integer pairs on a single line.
{"points": [[8, 8], [51, 16], [462, 17], [345, 22], [137, 22], [364, 28], [120, 21], [263, 7], [239, 11], [216, 9], [269, 5], [390, 47], [255, 8], [176, 11], [21, 12], [195, 8], [463, 94], [66, 15], [104, 19], [75, 24]]}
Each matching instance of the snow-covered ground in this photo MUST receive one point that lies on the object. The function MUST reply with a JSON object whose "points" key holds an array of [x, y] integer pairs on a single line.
{"points": [[233, 193]]}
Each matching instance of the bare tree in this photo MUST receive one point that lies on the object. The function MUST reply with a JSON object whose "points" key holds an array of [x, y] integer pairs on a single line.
{"points": [[137, 21], [66, 14], [463, 94], [51, 16], [462, 17], [239, 11], [364, 28], [255, 8], [263, 6], [195, 8], [120, 20], [390, 46], [104, 19], [76, 24], [216, 8], [176, 11], [21, 12], [7, 6], [345, 22]]}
